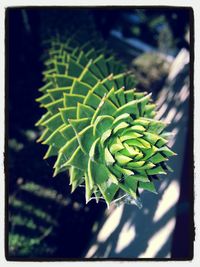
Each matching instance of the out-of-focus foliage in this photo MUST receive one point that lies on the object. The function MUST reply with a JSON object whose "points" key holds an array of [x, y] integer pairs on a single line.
{"points": [[29, 224], [160, 28], [151, 70]]}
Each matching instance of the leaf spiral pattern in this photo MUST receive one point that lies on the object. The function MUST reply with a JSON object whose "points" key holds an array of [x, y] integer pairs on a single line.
{"points": [[97, 124]]}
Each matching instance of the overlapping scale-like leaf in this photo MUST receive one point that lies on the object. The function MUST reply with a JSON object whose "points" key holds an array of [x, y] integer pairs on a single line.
{"points": [[100, 128]]}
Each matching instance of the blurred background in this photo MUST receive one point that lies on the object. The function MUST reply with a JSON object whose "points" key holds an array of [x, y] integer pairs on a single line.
{"points": [[44, 220]]}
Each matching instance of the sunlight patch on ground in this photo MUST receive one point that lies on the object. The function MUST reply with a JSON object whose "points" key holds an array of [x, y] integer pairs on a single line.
{"points": [[126, 236], [107, 252], [174, 133], [170, 96], [163, 186], [184, 93], [158, 240], [170, 115], [162, 98], [181, 60], [169, 199], [92, 251], [178, 116], [111, 224], [161, 111]]}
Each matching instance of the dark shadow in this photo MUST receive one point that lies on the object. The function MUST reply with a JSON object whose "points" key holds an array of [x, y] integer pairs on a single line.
{"points": [[74, 220]]}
